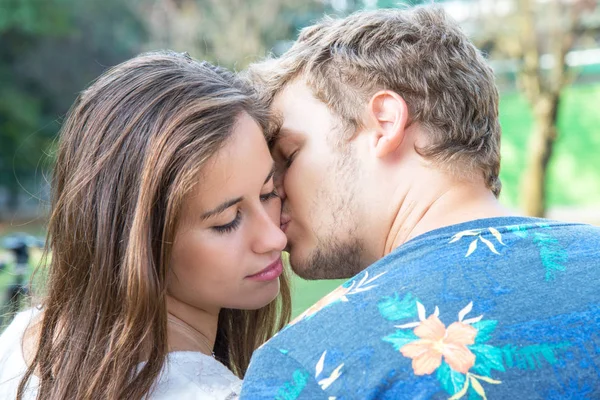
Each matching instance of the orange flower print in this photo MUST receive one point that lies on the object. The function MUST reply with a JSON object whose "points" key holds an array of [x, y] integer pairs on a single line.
{"points": [[435, 342]]}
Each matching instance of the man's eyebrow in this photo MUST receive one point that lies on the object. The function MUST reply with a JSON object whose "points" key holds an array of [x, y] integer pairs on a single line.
{"points": [[222, 207], [285, 132], [282, 133]]}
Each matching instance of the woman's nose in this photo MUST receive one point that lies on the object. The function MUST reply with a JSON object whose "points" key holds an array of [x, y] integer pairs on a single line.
{"points": [[269, 236]]}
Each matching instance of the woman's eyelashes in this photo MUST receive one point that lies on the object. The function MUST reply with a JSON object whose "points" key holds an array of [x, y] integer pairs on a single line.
{"points": [[230, 227], [269, 196], [233, 225]]}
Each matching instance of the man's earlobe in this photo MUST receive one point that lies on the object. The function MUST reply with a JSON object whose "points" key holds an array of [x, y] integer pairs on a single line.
{"points": [[389, 115]]}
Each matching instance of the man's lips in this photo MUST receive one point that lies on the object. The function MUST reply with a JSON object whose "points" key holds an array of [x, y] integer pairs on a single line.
{"points": [[284, 222]]}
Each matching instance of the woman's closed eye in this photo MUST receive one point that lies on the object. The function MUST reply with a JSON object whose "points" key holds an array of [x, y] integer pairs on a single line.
{"points": [[268, 196], [231, 226]]}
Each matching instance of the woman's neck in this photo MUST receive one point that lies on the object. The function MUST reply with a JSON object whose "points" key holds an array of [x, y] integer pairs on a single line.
{"points": [[190, 328]]}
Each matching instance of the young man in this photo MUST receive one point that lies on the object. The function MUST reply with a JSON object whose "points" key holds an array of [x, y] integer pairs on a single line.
{"points": [[390, 144]]}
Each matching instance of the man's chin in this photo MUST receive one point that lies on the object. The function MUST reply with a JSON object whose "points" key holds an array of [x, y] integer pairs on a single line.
{"points": [[306, 268], [305, 273], [300, 264], [338, 260]]}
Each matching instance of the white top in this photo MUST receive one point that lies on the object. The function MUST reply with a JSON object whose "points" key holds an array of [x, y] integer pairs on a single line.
{"points": [[186, 374]]}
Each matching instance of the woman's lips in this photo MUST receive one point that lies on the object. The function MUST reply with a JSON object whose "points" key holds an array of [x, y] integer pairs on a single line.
{"points": [[269, 273]]}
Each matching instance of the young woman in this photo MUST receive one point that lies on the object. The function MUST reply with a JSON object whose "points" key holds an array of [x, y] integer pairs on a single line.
{"points": [[164, 242]]}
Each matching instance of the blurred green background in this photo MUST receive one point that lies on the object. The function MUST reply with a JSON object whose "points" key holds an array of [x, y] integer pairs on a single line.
{"points": [[52, 49]]}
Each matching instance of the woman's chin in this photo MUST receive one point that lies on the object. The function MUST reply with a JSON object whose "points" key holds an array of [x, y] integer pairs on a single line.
{"points": [[263, 297]]}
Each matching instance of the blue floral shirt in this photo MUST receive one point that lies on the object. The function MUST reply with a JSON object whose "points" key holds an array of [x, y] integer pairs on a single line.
{"points": [[498, 308]]}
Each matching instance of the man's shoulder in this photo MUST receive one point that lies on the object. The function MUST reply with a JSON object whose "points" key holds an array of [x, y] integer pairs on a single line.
{"points": [[508, 236]]}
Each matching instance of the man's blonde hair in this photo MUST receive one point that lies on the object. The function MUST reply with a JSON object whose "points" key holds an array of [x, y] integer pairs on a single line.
{"points": [[419, 53]]}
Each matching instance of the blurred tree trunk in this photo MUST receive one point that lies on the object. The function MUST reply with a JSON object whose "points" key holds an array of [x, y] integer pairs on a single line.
{"points": [[540, 151], [543, 85], [544, 104]]}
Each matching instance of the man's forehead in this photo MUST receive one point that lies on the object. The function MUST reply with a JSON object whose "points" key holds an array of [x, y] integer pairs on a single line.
{"points": [[281, 131], [291, 95], [291, 107]]}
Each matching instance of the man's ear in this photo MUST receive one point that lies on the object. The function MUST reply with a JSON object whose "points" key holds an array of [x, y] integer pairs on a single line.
{"points": [[388, 114]]}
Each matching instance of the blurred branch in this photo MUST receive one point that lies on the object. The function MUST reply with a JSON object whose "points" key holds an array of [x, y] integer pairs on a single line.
{"points": [[530, 75], [232, 33], [565, 28]]}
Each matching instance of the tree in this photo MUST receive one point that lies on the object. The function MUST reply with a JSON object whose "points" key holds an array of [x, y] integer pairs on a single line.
{"points": [[538, 36], [231, 33], [543, 88], [234, 33], [49, 51], [22, 24]]}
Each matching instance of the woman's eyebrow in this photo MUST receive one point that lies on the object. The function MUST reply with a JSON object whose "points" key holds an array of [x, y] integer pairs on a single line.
{"points": [[229, 203], [220, 208]]}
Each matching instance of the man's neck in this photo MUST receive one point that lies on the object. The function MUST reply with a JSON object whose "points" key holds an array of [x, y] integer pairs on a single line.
{"points": [[423, 209]]}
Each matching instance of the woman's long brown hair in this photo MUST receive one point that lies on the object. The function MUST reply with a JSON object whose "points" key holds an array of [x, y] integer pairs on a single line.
{"points": [[130, 150]]}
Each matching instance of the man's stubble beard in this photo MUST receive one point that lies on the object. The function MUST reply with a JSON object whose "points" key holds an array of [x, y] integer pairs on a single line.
{"points": [[332, 259], [338, 254]]}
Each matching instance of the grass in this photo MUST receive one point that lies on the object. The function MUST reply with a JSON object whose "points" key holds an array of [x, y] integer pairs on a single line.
{"points": [[306, 293], [6, 279], [574, 170]]}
